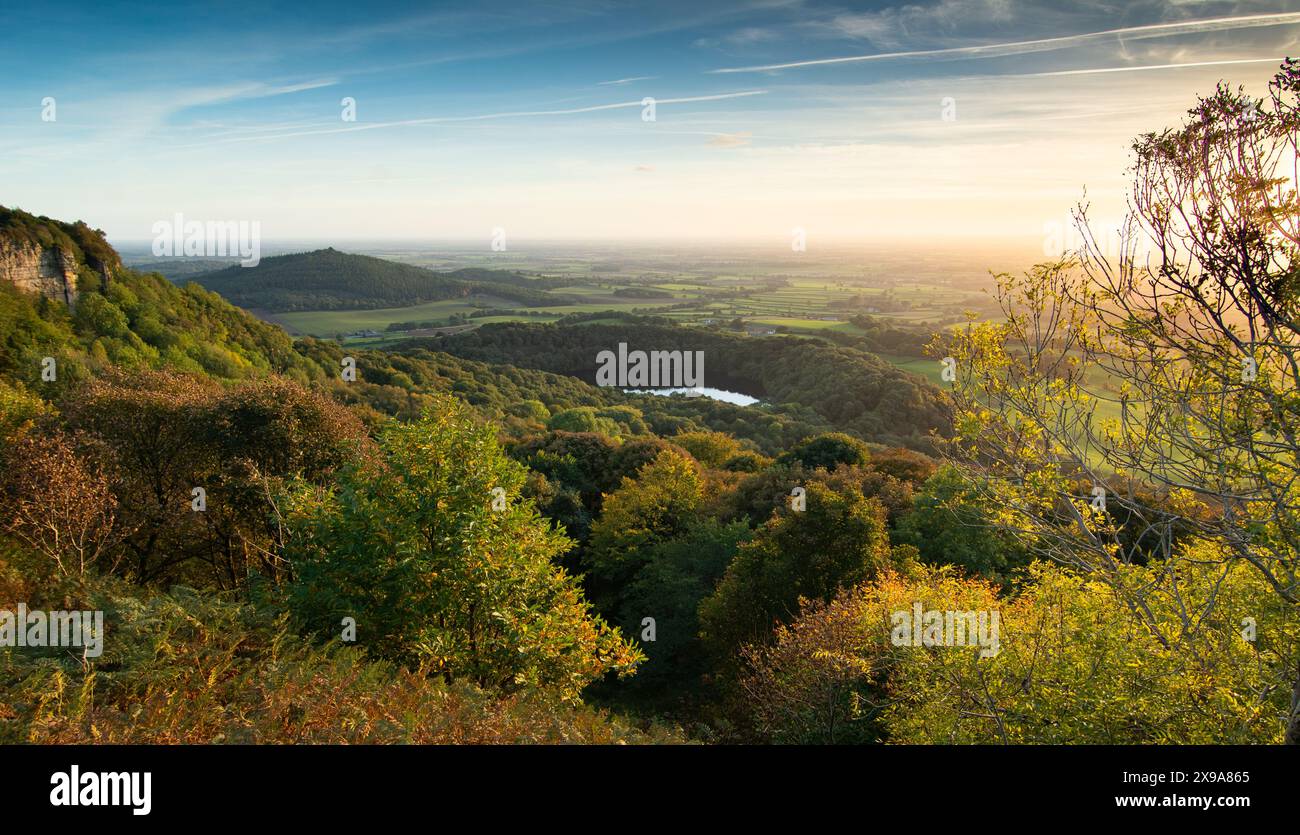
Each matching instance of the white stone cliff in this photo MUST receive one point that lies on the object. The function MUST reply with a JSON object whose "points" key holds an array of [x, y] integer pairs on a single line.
{"points": [[35, 269]]}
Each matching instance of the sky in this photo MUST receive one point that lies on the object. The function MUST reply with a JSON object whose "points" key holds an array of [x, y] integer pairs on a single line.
{"points": [[934, 122]]}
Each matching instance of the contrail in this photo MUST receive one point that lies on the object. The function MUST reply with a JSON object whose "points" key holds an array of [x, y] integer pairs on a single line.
{"points": [[626, 80], [1155, 30], [1159, 67], [505, 115]]}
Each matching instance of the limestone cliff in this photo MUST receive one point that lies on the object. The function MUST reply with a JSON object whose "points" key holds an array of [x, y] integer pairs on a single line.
{"points": [[41, 255], [52, 272]]}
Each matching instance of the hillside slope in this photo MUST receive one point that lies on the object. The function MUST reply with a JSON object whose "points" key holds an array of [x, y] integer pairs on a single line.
{"points": [[141, 321], [125, 318]]}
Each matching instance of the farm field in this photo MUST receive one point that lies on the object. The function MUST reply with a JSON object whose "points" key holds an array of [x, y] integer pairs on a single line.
{"points": [[800, 295], [332, 322], [930, 369]]}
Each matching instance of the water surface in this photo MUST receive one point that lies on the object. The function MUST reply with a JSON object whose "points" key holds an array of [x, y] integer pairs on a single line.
{"points": [[717, 394]]}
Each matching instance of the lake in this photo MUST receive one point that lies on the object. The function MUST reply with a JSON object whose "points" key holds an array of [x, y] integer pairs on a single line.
{"points": [[715, 394]]}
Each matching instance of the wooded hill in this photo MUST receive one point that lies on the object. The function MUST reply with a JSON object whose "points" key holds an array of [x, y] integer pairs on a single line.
{"points": [[852, 390], [327, 279]]}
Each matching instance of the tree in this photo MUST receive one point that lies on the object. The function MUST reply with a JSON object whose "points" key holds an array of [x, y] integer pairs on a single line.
{"points": [[814, 683], [1169, 366], [761, 494], [949, 525], [582, 419], [58, 505], [758, 495], [712, 449], [660, 504], [1207, 685], [19, 408], [827, 451], [839, 540], [903, 464], [144, 427], [412, 548], [163, 434], [675, 575], [1071, 664]]}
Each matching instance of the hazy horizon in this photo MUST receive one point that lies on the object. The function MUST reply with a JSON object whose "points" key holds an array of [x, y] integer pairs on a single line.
{"points": [[835, 258]]}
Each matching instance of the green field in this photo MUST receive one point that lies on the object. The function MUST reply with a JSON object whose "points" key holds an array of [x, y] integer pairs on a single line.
{"points": [[930, 369], [335, 322], [331, 322], [800, 297], [801, 300]]}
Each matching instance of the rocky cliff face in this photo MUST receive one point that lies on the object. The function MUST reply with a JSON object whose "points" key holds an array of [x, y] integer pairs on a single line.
{"points": [[50, 271]]}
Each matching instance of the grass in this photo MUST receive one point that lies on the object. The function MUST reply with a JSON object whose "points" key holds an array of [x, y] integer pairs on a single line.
{"points": [[928, 368], [815, 325], [329, 322]]}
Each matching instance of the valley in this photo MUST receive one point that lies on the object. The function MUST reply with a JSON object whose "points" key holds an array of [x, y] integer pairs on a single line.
{"points": [[756, 291], [384, 383]]}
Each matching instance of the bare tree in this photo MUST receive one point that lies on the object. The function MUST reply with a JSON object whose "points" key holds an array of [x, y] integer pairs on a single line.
{"points": [[57, 505], [1135, 395]]}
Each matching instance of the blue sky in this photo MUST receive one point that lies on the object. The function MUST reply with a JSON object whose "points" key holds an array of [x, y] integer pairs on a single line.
{"points": [[770, 115]]}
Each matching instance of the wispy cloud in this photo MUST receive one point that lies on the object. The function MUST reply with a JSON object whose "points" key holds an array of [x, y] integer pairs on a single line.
{"points": [[1155, 30], [297, 88], [748, 36], [510, 114], [626, 80], [1099, 70], [730, 140], [543, 132], [252, 90]]}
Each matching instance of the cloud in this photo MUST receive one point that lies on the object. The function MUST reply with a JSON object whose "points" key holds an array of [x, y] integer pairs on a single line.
{"points": [[626, 80], [730, 140], [1155, 30], [891, 27], [748, 36], [259, 90], [1098, 70], [512, 114]]}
